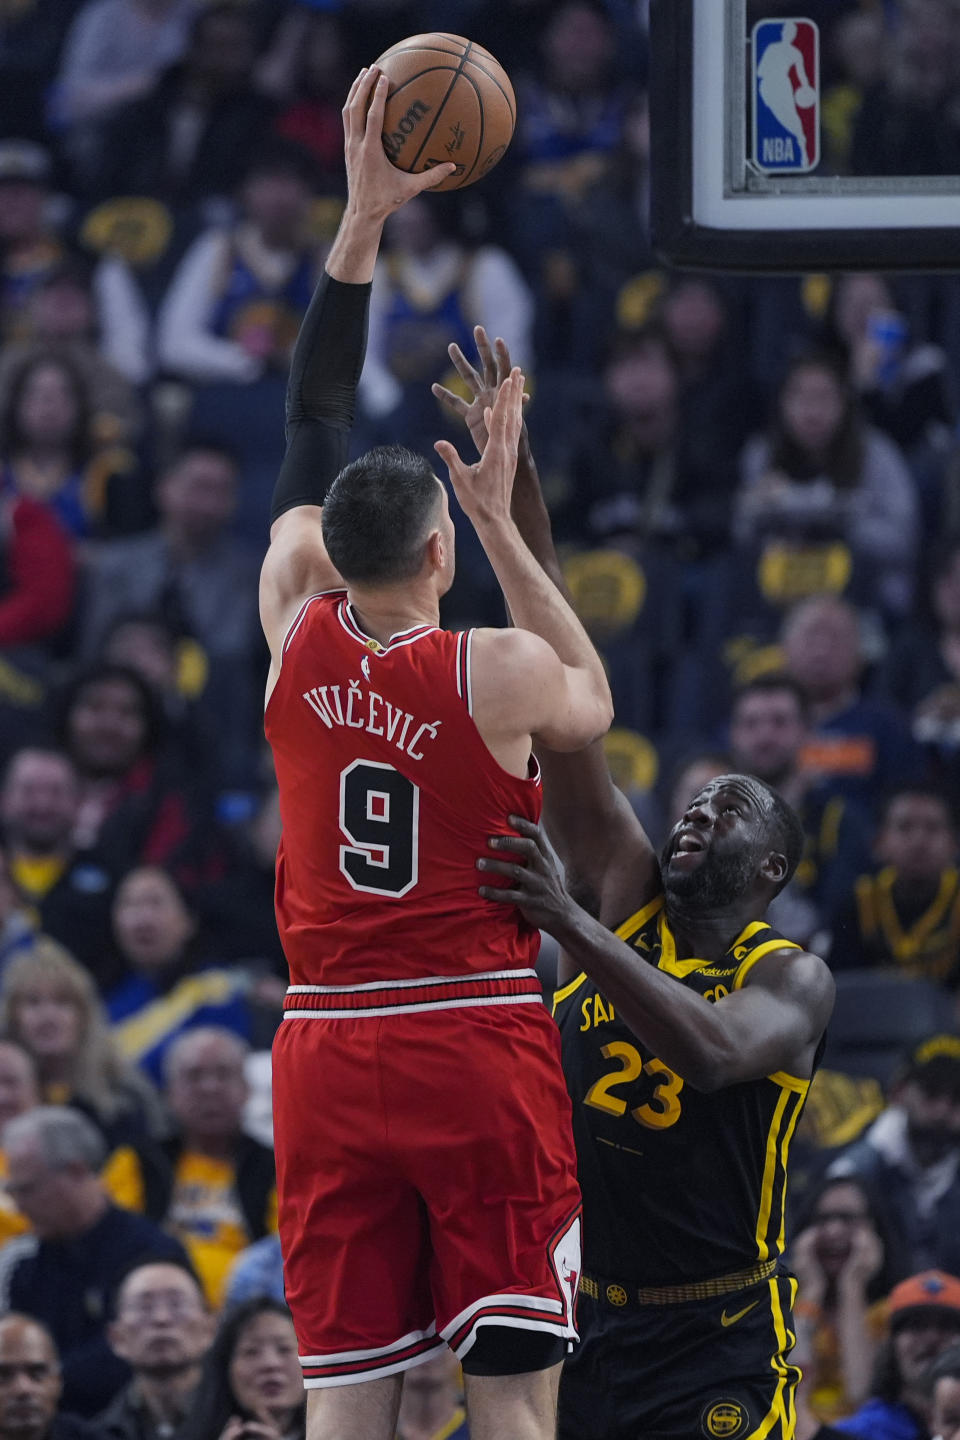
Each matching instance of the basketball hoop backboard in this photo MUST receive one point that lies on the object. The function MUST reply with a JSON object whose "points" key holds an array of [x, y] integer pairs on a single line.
{"points": [[784, 144]]}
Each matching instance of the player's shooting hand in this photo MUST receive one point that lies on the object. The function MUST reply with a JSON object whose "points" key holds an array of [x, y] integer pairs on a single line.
{"points": [[375, 187], [485, 488], [483, 383], [534, 883]]}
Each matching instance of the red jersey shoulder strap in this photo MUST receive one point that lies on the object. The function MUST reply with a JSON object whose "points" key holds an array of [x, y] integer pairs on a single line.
{"points": [[298, 619], [463, 662]]}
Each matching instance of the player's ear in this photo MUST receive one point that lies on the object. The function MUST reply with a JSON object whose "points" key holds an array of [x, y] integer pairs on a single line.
{"points": [[774, 867], [436, 550]]}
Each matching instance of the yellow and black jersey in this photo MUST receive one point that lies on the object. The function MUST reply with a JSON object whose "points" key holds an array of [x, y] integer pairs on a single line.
{"points": [[678, 1186], [920, 937]]}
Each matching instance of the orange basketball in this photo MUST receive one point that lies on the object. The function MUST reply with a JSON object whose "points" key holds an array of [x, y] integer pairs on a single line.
{"points": [[449, 99]]}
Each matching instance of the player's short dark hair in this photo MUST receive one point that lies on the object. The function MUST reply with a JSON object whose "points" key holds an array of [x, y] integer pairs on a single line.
{"points": [[784, 832], [377, 515], [774, 683]]}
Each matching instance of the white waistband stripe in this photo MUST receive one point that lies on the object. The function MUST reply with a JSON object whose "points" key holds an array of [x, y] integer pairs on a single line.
{"points": [[365, 1010], [403, 984]]}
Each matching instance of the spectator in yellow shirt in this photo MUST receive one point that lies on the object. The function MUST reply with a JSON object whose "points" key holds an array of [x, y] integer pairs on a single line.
{"points": [[221, 1192]]}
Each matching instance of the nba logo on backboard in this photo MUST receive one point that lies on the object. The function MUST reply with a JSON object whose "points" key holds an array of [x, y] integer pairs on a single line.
{"points": [[786, 96]]}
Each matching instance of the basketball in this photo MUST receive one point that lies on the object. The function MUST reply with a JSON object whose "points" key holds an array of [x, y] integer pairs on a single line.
{"points": [[805, 97], [448, 100]]}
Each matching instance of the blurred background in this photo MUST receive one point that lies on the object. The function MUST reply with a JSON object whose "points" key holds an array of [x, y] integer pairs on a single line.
{"points": [[755, 484]]}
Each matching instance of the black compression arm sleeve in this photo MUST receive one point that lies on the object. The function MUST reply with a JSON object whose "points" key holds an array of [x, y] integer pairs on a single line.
{"points": [[321, 393]]}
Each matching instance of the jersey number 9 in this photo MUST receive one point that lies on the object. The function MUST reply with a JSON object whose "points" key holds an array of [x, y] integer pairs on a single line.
{"points": [[379, 815]]}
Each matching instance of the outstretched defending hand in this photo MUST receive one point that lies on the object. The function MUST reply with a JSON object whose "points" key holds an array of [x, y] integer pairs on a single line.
{"points": [[484, 489], [535, 883], [375, 187], [483, 384]]}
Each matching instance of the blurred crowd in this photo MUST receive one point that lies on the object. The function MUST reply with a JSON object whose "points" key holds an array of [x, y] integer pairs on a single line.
{"points": [[755, 483]]}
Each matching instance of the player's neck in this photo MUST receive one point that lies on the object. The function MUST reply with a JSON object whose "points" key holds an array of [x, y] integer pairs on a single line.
{"points": [[387, 610], [706, 934]]}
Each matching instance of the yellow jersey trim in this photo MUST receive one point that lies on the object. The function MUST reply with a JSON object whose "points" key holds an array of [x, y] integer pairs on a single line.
{"points": [[638, 919], [668, 955], [790, 1082], [748, 932], [784, 1152], [764, 949], [625, 932], [562, 994], [769, 1178]]}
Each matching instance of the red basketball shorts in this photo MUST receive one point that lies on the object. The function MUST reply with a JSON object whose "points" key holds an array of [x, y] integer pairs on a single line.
{"points": [[426, 1179]]}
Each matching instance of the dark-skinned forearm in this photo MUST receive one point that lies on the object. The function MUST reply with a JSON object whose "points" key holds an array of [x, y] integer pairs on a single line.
{"points": [[578, 796], [679, 1026], [531, 516]]}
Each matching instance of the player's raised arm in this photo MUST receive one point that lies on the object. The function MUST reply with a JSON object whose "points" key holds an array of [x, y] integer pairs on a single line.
{"points": [[771, 1023], [562, 691], [327, 360], [608, 858]]}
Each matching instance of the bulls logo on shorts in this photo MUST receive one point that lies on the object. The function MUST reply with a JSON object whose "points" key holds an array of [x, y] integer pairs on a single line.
{"points": [[786, 96], [724, 1420]]}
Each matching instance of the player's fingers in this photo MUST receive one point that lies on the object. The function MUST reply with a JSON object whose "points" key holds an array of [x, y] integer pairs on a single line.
{"points": [[427, 179], [456, 403], [525, 827], [503, 897], [515, 410], [499, 420], [503, 359], [518, 844], [378, 101], [450, 457], [464, 369], [519, 380], [356, 108], [351, 93], [484, 350], [502, 867]]}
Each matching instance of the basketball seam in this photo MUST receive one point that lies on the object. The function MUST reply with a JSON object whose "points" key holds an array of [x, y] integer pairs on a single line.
{"points": [[456, 76], [435, 50], [432, 49], [476, 157], [490, 76]]}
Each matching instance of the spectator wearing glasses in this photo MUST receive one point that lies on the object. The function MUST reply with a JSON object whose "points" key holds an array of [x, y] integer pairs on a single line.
{"points": [[66, 1271], [162, 1329]]}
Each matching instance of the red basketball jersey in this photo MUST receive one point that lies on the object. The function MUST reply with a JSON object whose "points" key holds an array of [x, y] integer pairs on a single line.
{"points": [[387, 796]]}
